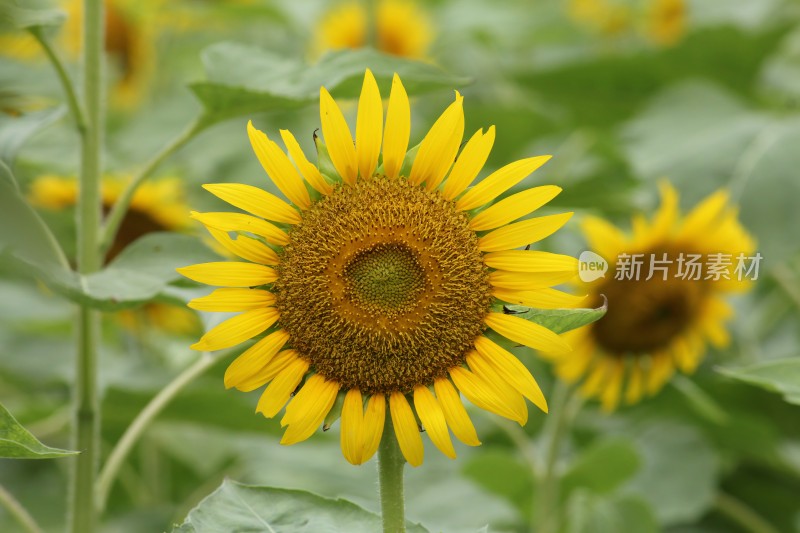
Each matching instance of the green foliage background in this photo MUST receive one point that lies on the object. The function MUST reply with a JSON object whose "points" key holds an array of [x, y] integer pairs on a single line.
{"points": [[717, 109]]}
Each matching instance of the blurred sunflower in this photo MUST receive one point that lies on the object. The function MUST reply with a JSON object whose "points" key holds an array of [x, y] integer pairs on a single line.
{"points": [[156, 206], [666, 21], [129, 43], [601, 16], [377, 285], [657, 325], [401, 28]]}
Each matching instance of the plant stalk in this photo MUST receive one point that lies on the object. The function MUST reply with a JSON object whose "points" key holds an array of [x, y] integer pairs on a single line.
{"points": [[742, 515], [82, 517], [18, 512], [390, 477], [131, 436]]}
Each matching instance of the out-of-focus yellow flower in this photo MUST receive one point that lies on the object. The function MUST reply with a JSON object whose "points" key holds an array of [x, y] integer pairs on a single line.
{"points": [[402, 28], [376, 284], [156, 206], [657, 325], [129, 43], [666, 21], [601, 16]]}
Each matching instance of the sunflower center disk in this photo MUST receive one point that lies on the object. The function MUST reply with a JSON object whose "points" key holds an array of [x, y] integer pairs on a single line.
{"points": [[385, 279], [382, 286], [647, 315]]}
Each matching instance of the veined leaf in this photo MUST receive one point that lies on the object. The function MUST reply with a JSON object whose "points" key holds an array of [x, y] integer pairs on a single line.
{"points": [[16, 442]]}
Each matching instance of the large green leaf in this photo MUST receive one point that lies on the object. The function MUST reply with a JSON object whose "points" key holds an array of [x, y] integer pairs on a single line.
{"points": [[244, 79], [16, 442], [558, 320], [782, 376], [589, 513], [35, 14], [602, 467], [14, 131], [237, 507]]}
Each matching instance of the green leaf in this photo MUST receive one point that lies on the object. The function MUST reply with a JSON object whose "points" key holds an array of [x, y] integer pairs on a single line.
{"points": [[678, 473], [238, 507], [12, 16], [14, 131], [781, 376], [502, 473], [588, 513], [16, 442], [558, 320], [244, 79], [603, 467]]}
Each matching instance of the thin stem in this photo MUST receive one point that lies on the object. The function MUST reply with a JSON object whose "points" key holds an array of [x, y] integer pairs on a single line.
{"points": [[555, 429], [743, 515], [120, 208], [390, 477], [371, 9], [123, 447], [66, 82], [18, 512], [82, 517]]}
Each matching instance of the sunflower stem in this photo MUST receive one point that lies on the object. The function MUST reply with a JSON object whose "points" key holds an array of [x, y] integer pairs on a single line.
{"points": [[66, 82], [18, 512], [131, 436], [557, 426], [390, 477], [82, 518], [742, 515], [120, 208]]}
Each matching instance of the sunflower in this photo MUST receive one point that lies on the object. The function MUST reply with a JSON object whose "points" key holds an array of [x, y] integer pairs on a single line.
{"points": [[666, 21], [401, 28], [129, 43], [657, 325], [601, 16], [377, 285], [156, 206]]}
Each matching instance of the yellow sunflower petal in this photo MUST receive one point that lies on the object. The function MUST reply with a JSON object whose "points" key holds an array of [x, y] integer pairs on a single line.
{"points": [[514, 207], [454, 412], [398, 128], [229, 274], [456, 136], [337, 137], [528, 281], [406, 429], [252, 360], [512, 370], [544, 298], [352, 435], [233, 300], [237, 329], [634, 389], [369, 124], [373, 425], [469, 163], [242, 222], [281, 388], [256, 201], [499, 181], [432, 418], [609, 398], [603, 237], [526, 333], [309, 171], [522, 233], [438, 149], [267, 373], [277, 165], [512, 398], [482, 394], [307, 410], [705, 214], [245, 247], [531, 261]]}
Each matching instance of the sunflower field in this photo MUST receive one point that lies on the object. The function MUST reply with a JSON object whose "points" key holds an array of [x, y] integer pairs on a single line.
{"points": [[394, 265]]}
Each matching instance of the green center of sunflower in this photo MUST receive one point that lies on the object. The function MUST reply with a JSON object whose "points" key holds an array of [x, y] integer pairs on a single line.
{"points": [[382, 286], [386, 279], [647, 315]]}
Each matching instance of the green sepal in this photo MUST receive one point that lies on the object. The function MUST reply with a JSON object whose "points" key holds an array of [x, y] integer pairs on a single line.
{"points": [[336, 411]]}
